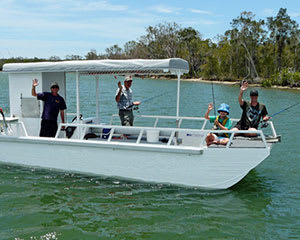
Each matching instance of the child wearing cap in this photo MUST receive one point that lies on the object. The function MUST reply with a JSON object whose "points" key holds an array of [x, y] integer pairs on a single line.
{"points": [[221, 122]]}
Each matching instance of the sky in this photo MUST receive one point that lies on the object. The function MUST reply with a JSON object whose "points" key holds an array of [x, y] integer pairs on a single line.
{"points": [[44, 28]]}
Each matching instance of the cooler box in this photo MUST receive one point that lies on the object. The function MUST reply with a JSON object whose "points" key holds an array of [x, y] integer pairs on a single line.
{"points": [[192, 139]]}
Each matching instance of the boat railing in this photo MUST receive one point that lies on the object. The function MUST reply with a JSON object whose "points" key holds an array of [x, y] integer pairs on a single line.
{"points": [[14, 127], [181, 119], [167, 136], [156, 118]]}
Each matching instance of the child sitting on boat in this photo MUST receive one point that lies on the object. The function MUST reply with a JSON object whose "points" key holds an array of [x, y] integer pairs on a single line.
{"points": [[221, 122]]}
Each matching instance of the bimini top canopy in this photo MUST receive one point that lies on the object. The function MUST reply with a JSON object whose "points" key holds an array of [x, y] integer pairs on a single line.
{"points": [[133, 66]]}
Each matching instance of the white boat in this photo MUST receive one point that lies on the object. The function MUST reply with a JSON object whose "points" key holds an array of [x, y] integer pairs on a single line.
{"points": [[153, 154]]}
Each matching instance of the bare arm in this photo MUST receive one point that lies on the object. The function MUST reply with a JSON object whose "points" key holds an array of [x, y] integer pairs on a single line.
{"points": [[62, 115], [242, 90], [241, 101], [118, 97], [34, 84], [210, 107], [220, 125]]}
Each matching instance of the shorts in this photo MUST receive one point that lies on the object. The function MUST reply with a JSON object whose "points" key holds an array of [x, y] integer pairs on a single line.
{"points": [[216, 137], [48, 128], [126, 117], [241, 126]]}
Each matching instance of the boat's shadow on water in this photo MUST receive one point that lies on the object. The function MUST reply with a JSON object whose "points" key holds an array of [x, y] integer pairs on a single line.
{"points": [[253, 182]]}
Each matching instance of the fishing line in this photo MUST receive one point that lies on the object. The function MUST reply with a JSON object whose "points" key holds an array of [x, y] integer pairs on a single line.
{"points": [[213, 96], [151, 98], [265, 124], [283, 110]]}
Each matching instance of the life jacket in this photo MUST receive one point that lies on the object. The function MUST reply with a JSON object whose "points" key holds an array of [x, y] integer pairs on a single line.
{"points": [[223, 123]]}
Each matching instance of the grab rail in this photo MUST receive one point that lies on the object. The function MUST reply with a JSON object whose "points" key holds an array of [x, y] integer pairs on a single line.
{"points": [[181, 118], [172, 133]]}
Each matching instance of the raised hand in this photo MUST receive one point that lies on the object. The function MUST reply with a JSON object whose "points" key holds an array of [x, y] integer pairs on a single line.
{"points": [[244, 86], [35, 82], [210, 107], [119, 85]]}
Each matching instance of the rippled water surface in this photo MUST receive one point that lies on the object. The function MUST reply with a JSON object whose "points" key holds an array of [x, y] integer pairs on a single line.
{"points": [[45, 204]]}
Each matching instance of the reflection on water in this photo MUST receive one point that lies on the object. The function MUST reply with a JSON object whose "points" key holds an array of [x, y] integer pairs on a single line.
{"points": [[43, 200], [264, 205]]}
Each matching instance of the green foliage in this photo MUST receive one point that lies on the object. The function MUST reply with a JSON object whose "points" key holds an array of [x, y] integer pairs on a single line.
{"points": [[284, 78], [252, 48]]}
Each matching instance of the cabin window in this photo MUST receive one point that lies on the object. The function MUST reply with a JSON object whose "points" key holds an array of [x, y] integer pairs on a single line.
{"points": [[30, 107]]}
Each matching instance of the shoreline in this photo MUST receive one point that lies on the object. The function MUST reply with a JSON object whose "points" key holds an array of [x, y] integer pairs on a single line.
{"points": [[222, 82], [200, 80]]}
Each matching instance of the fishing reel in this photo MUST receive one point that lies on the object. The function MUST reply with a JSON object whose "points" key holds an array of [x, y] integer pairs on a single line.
{"points": [[264, 125]]}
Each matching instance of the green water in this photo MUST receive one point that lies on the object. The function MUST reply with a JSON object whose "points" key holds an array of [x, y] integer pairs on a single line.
{"points": [[264, 205]]}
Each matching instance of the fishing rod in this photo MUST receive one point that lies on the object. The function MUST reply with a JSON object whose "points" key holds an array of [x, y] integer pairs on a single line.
{"points": [[283, 110], [135, 107], [279, 112], [148, 100], [213, 96]]}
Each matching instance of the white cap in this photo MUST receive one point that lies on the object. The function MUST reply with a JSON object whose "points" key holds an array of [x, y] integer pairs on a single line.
{"points": [[128, 78]]}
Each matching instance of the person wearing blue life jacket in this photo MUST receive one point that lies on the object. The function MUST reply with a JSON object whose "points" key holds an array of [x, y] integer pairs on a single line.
{"points": [[221, 122]]}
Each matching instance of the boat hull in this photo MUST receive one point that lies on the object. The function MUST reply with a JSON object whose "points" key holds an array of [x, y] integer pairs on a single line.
{"points": [[212, 168]]}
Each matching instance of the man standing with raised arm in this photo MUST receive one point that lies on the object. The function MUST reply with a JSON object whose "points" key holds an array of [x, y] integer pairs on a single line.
{"points": [[125, 103], [53, 104], [253, 111]]}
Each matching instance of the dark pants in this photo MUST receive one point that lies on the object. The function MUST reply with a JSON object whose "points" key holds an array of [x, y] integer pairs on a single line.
{"points": [[48, 128], [126, 117]]}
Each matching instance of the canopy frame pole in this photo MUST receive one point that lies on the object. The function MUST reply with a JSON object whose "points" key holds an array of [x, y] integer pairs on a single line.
{"points": [[178, 97], [77, 97], [97, 99]]}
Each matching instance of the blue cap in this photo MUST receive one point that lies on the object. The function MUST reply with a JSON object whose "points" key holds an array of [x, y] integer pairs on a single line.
{"points": [[224, 108]]}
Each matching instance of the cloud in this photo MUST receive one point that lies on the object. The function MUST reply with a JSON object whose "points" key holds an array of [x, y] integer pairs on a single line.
{"points": [[294, 14], [200, 22], [61, 27], [96, 6], [269, 12], [200, 11], [62, 6], [164, 9]]}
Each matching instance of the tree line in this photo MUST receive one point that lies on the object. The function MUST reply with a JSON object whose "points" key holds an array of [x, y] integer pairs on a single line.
{"points": [[265, 51]]}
